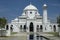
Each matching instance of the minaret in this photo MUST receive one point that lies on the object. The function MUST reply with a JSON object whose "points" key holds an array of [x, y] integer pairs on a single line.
{"points": [[44, 14], [45, 17]]}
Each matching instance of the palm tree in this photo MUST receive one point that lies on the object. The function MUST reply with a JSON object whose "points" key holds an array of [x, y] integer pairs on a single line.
{"points": [[3, 22]]}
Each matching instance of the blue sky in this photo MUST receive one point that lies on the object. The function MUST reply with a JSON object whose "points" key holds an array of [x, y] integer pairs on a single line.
{"points": [[14, 8]]}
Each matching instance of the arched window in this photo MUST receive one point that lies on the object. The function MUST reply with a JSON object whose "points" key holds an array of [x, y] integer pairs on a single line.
{"points": [[7, 27], [25, 12], [30, 12]]}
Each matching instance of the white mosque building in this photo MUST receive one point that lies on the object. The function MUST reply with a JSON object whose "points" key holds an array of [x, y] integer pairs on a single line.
{"points": [[32, 21]]}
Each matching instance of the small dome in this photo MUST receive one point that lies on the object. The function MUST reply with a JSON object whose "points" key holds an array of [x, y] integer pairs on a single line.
{"points": [[23, 13], [45, 5], [16, 18], [30, 7]]}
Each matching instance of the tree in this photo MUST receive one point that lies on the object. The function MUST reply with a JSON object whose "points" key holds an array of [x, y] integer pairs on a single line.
{"points": [[3, 22], [58, 20]]}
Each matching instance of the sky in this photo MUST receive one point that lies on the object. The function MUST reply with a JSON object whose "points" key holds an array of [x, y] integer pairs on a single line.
{"points": [[10, 9]]}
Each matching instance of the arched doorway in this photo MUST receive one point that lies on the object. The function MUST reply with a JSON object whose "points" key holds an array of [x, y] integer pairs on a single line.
{"points": [[41, 28], [54, 28], [21, 28], [11, 28], [7, 27], [24, 28], [37, 28], [31, 27]]}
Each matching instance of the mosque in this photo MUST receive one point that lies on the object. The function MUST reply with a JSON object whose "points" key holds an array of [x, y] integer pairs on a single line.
{"points": [[32, 21]]}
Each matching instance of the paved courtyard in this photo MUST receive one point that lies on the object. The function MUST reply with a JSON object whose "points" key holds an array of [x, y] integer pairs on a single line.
{"points": [[23, 36], [18, 36], [13, 38]]}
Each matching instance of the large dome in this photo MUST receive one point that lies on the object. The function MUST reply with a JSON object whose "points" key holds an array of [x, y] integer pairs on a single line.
{"points": [[30, 7]]}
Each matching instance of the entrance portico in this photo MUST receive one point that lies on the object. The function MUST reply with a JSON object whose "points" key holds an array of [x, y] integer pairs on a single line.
{"points": [[31, 26]]}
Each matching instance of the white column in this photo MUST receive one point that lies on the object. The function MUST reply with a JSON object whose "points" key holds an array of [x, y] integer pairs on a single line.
{"points": [[56, 28], [8, 31], [45, 13], [44, 17], [34, 26], [27, 26]]}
